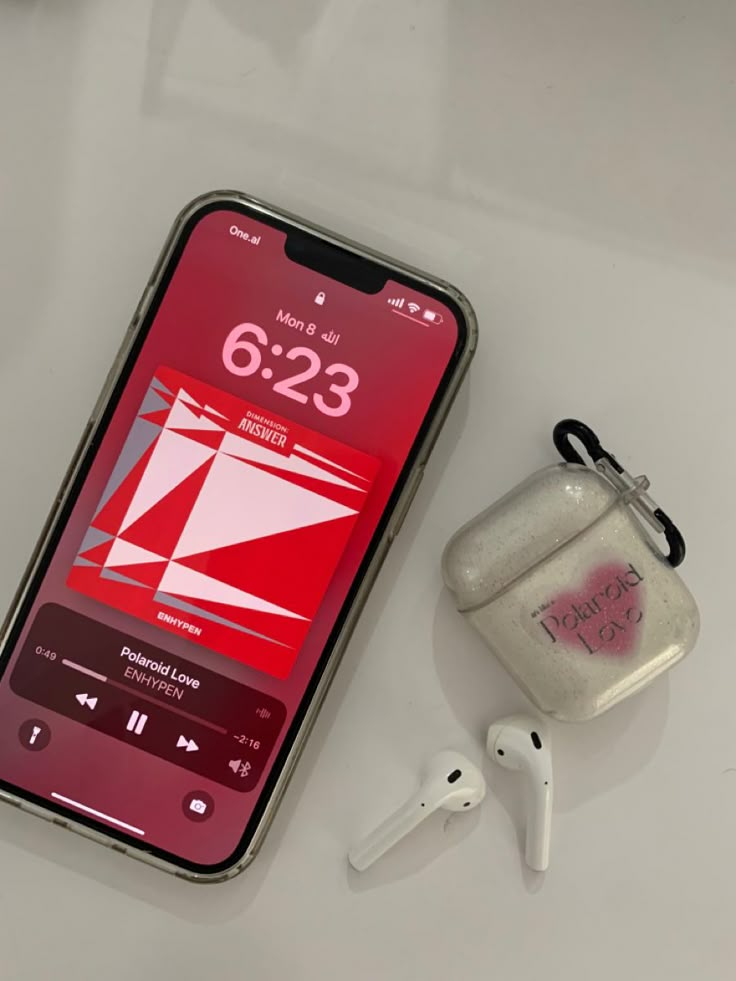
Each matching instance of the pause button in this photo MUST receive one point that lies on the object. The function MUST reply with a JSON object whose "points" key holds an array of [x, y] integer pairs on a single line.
{"points": [[136, 722]]}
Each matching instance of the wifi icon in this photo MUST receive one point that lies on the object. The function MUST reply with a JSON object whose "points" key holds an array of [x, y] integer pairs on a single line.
{"points": [[413, 307]]}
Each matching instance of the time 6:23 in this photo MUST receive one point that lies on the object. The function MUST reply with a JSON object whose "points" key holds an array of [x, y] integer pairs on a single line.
{"points": [[243, 353]]}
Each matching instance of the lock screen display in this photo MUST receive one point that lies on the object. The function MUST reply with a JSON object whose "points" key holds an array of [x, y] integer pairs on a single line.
{"points": [[193, 593]]}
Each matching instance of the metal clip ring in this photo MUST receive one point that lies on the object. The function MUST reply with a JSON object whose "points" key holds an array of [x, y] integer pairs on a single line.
{"points": [[661, 521]]}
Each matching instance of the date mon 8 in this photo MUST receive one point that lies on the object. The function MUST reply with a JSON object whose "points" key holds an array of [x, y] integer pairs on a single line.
{"points": [[243, 353]]}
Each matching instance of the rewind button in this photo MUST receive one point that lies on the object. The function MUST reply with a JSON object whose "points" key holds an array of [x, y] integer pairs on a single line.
{"points": [[86, 700]]}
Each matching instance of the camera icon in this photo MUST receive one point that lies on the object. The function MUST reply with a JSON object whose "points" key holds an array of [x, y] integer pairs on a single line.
{"points": [[198, 805]]}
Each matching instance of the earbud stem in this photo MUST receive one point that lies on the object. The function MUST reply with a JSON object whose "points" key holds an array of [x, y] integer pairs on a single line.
{"points": [[389, 833], [539, 826]]}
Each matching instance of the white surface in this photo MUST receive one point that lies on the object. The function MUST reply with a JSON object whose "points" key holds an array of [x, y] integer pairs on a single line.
{"points": [[570, 166]]}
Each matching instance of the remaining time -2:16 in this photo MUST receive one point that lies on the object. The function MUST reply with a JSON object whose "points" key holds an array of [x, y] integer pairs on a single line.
{"points": [[247, 741], [243, 355]]}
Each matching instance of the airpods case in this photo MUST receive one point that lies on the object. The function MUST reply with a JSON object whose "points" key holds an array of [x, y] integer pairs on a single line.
{"points": [[567, 588]]}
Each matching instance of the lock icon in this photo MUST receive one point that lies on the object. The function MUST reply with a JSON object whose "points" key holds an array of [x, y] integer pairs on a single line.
{"points": [[320, 299]]}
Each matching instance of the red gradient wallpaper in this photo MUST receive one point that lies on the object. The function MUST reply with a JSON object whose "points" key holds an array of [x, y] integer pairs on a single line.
{"points": [[213, 543]]}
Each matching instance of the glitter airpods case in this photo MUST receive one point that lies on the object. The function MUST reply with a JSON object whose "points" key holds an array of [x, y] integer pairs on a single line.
{"points": [[568, 589]]}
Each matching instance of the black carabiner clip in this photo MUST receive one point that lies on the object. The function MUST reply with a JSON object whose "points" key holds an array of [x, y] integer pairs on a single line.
{"points": [[607, 464]]}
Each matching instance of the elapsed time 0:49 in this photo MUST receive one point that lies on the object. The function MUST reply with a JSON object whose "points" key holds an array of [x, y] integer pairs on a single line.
{"points": [[243, 354]]}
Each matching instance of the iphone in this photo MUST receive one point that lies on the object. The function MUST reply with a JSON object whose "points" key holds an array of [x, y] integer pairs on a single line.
{"points": [[246, 468]]}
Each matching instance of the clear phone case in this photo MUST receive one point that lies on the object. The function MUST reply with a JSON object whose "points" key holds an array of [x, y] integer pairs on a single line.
{"points": [[294, 744]]}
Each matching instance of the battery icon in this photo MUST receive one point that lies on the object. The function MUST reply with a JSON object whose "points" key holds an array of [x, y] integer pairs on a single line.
{"points": [[432, 317]]}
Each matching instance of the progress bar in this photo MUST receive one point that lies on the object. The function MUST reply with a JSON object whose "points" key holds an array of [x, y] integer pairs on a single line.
{"points": [[97, 814], [81, 667]]}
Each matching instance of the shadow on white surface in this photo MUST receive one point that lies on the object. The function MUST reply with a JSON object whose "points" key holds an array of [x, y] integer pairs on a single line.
{"points": [[439, 834], [262, 58], [481, 106], [590, 758], [200, 904], [36, 149], [588, 157]]}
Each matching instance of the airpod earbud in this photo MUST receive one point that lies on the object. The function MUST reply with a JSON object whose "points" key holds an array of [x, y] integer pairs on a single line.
{"points": [[451, 783], [522, 743]]}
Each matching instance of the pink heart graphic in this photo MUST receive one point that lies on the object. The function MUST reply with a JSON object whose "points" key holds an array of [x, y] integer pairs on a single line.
{"points": [[603, 616]]}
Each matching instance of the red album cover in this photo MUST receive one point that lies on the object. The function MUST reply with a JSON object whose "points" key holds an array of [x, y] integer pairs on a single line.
{"points": [[222, 522]]}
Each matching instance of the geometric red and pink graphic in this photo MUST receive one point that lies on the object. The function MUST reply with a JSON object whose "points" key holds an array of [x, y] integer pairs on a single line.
{"points": [[222, 522]]}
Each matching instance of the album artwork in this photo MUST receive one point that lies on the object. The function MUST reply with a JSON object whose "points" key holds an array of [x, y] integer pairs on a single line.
{"points": [[222, 522]]}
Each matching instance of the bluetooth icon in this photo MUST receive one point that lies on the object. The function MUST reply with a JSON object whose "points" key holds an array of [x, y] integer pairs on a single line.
{"points": [[240, 768]]}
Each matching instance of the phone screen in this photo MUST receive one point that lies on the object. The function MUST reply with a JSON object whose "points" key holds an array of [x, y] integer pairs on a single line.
{"points": [[174, 636]]}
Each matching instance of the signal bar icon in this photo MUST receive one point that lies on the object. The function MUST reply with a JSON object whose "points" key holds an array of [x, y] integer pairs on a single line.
{"points": [[396, 301]]}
